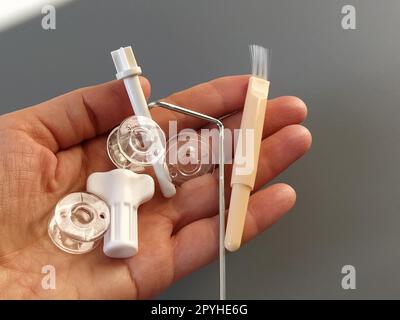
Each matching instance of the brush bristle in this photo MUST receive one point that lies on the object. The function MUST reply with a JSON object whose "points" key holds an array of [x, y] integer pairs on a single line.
{"points": [[259, 61]]}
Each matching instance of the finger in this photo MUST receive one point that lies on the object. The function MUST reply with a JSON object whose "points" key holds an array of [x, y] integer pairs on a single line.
{"points": [[90, 156], [280, 112], [76, 116], [197, 243], [215, 98], [277, 152]]}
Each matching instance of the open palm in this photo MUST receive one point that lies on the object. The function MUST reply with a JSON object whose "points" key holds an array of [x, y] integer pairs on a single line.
{"points": [[48, 151]]}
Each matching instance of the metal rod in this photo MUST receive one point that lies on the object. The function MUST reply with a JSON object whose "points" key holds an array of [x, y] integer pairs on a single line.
{"points": [[221, 160]]}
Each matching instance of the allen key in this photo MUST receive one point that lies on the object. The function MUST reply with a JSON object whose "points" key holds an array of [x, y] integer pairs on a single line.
{"points": [[221, 161]]}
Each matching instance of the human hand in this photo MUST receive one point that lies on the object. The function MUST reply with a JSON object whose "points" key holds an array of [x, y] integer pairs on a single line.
{"points": [[48, 151]]}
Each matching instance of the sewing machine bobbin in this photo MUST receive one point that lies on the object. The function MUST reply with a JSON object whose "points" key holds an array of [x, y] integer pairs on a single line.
{"points": [[137, 143], [141, 141], [116, 156], [79, 221], [188, 156]]}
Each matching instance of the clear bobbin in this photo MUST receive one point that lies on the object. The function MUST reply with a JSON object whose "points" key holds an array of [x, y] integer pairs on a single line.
{"points": [[79, 222], [189, 155], [137, 143], [140, 142]]}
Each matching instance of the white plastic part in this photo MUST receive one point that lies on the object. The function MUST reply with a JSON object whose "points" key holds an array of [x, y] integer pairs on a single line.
{"points": [[124, 191], [141, 141], [189, 155], [128, 70], [79, 222], [116, 156]]}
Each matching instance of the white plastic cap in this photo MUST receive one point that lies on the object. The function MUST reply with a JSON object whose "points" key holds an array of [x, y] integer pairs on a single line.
{"points": [[124, 191], [125, 63]]}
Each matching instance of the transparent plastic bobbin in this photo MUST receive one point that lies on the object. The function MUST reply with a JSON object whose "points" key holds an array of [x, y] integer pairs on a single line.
{"points": [[189, 156], [116, 156], [141, 141], [79, 222]]}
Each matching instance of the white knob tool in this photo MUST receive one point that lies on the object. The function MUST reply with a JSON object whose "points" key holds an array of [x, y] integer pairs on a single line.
{"points": [[124, 191]]}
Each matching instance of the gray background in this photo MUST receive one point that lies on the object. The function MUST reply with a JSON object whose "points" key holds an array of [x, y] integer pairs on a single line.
{"points": [[348, 197]]}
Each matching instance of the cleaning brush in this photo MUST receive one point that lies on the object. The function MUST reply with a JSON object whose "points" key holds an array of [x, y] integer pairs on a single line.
{"points": [[248, 146]]}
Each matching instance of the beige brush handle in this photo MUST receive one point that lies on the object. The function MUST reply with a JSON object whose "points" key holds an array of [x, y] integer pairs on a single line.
{"points": [[246, 159]]}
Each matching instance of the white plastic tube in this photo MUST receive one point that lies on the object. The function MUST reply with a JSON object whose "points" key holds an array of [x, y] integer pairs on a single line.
{"points": [[128, 70]]}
